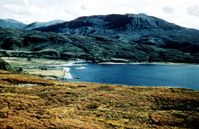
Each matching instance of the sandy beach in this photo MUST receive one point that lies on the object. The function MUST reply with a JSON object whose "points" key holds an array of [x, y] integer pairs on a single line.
{"points": [[67, 74]]}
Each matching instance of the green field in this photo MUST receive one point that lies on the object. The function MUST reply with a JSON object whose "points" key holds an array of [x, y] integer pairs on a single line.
{"points": [[32, 67]]}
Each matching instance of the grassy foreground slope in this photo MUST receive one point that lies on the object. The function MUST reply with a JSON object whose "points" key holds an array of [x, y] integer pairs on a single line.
{"points": [[32, 102]]}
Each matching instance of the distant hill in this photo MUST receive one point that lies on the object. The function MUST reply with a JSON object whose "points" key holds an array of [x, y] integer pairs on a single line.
{"points": [[10, 23], [35, 25], [13, 24]]}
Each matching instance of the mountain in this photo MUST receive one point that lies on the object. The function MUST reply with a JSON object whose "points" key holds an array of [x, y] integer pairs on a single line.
{"points": [[35, 25], [136, 28], [10, 23], [124, 27], [113, 22]]}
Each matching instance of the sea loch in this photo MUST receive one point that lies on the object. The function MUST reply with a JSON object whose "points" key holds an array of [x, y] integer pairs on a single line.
{"points": [[184, 76]]}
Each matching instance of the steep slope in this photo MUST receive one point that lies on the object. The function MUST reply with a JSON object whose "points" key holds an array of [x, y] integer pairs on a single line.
{"points": [[35, 25], [10, 23], [97, 48]]}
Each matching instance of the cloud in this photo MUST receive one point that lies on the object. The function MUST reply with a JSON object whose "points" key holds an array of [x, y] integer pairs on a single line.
{"points": [[83, 7], [168, 10], [194, 10], [16, 9]]}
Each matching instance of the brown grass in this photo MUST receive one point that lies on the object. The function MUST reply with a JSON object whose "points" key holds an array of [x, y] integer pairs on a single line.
{"points": [[54, 104]]}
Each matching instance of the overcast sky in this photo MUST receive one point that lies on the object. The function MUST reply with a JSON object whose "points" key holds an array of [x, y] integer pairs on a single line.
{"points": [[181, 12]]}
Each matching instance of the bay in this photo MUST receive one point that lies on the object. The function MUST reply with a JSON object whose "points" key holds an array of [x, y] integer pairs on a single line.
{"points": [[184, 76]]}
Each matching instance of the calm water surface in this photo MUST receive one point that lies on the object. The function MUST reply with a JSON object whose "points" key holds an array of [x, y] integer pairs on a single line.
{"points": [[185, 76]]}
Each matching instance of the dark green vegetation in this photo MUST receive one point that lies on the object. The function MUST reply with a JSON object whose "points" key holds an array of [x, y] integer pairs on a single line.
{"points": [[32, 102], [20, 43]]}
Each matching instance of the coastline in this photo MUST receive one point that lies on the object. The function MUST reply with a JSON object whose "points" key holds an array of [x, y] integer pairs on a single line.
{"points": [[147, 63], [67, 74], [54, 68]]}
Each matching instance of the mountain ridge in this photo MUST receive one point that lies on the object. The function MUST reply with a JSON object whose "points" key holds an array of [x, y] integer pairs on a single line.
{"points": [[119, 22]]}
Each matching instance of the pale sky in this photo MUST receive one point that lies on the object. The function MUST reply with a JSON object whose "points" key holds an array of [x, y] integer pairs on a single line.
{"points": [[180, 12]]}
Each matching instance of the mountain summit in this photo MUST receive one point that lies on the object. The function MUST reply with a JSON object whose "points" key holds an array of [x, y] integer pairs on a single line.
{"points": [[107, 24]]}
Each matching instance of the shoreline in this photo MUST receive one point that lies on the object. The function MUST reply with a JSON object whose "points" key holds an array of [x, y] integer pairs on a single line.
{"points": [[67, 74], [147, 63], [55, 67]]}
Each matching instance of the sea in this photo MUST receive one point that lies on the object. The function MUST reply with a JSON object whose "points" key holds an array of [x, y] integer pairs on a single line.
{"points": [[158, 75]]}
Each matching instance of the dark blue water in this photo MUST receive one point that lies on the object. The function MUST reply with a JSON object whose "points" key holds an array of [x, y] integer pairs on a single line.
{"points": [[185, 76]]}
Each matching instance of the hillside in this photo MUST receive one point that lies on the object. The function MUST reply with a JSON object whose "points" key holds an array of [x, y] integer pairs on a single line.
{"points": [[35, 44], [32, 102]]}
